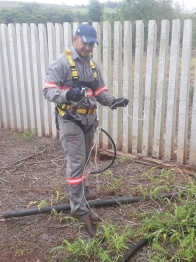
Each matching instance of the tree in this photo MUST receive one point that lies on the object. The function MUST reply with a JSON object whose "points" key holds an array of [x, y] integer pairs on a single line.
{"points": [[95, 11], [32, 13]]}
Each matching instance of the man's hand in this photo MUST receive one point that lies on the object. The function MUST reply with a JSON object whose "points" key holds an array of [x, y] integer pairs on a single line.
{"points": [[119, 102], [74, 95]]}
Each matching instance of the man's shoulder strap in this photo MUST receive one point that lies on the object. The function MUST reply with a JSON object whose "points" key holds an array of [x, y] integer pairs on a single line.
{"points": [[73, 67]]}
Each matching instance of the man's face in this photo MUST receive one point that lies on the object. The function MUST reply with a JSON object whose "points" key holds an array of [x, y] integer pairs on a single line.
{"points": [[82, 49]]}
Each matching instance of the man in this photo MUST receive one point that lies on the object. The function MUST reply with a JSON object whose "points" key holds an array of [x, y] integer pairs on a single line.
{"points": [[74, 82]]}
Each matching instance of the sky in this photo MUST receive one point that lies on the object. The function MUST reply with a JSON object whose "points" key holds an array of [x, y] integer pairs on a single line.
{"points": [[188, 4]]}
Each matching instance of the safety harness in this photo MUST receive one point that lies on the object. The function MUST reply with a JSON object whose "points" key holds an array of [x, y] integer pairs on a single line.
{"points": [[74, 70], [63, 109]]}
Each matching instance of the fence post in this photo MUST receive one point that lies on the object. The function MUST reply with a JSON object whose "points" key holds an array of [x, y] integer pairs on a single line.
{"points": [[184, 94], [51, 56], [138, 89], [11, 123], [44, 66], [59, 39], [107, 116], [67, 35], [5, 122], [192, 157], [22, 77], [15, 81], [36, 75], [29, 80], [97, 57], [2, 96], [127, 88], [148, 122], [172, 92], [75, 26], [117, 84], [160, 95]]}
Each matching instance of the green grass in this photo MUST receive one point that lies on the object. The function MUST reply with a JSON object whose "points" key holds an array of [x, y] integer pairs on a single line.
{"points": [[170, 225], [25, 137]]}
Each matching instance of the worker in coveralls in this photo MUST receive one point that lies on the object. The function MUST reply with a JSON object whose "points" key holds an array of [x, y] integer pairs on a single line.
{"points": [[72, 78]]}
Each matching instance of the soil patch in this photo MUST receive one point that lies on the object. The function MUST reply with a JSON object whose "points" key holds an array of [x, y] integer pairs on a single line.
{"points": [[32, 174]]}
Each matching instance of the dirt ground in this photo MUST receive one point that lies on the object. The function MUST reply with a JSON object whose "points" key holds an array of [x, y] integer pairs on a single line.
{"points": [[32, 174]]}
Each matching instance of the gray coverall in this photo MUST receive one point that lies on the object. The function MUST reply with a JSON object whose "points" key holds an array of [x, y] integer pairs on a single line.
{"points": [[76, 145]]}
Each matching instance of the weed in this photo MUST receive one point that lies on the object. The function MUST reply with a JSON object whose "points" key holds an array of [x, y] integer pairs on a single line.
{"points": [[25, 137], [19, 253], [60, 216], [115, 244], [42, 204], [123, 159], [60, 195], [174, 228]]}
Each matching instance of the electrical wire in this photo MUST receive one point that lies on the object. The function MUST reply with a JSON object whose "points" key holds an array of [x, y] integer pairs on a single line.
{"points": [[114, 157]]}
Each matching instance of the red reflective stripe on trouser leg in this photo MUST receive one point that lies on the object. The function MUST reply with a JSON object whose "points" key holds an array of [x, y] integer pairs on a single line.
{"points": [[76, 180]]}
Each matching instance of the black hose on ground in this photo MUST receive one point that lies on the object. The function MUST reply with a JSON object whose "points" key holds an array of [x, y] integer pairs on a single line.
{"points": [[114, 157], [91, 203], [135, 248]]}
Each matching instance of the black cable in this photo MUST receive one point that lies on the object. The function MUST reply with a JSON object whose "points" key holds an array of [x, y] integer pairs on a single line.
{"points": [[91, 203], [114, 157], [135, 248]]}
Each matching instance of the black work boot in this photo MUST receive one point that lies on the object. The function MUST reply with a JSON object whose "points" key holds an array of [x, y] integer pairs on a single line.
{"points": [[95, 219], [88, 223]]}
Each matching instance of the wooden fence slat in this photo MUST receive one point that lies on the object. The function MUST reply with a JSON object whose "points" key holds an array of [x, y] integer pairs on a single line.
{"points": [[184, 94], [8, 79], [67, 35], [44, 63], [97, 58], [4, 117], [138, 90], [22, 80], [59, 39], [15, 81], [172, 92], [148, 122], [1, 97], [51, 33], [75, 26], [160, 95], [117, 85], [5, 120], [107, 116], [192, 157], [127, 88], [28, 78], [36, 75]]}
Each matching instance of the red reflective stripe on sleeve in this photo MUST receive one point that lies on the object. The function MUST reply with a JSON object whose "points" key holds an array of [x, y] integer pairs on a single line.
{"points": [[99, 90], [53, 85], [89, 93], [76, 180]]}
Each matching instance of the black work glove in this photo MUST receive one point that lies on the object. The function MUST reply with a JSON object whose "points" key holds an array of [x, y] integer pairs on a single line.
{"points": [[74, 95], [119, 102]]}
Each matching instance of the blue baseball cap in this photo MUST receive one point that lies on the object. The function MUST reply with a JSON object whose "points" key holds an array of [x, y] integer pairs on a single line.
{"points": [[87, 33]]}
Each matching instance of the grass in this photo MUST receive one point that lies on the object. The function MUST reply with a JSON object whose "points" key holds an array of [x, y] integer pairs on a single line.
{"points": [[25, 137], [170, 225]]}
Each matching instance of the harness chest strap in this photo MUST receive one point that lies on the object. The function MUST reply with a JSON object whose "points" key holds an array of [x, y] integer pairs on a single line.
{"points": [[64, 107], [73, 67]]}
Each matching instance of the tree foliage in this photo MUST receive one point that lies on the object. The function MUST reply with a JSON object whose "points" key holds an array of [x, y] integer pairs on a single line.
{"points": [[95, 11], [126, 10], [32, 13]]}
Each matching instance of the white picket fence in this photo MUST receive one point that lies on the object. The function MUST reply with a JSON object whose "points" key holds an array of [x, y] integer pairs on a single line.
{"points": [[159, 120]]}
